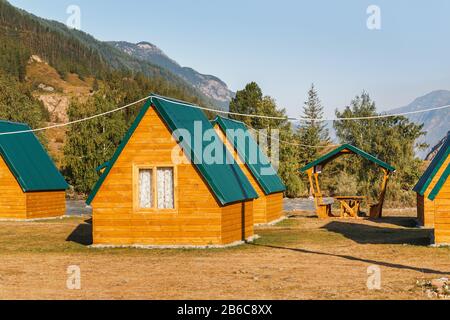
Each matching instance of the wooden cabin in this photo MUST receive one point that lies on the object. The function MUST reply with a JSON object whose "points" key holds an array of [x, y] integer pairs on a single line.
{"points": [[427, 208], [256, 167], [31, 186], [157, 190], [350, 205]]}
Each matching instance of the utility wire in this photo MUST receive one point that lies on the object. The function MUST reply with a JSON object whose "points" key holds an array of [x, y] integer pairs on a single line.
{"points": [[59, 125], [378, 116], [293, 143]]}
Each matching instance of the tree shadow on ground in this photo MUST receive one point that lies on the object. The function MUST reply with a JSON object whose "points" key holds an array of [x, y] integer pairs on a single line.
{"points": [[352, 258], [368, 234], [407, 222], [82, 234]]}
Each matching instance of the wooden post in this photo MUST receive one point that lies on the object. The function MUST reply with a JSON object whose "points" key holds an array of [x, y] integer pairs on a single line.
{"points": [[376, 210], [311, 184], [323, 211], [319, 192]]}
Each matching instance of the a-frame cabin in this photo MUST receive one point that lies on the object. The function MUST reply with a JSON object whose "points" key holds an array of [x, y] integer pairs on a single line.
{"points": [[157, 190]]}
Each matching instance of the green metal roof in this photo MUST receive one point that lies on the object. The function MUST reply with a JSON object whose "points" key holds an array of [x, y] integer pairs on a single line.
{"points": [[250, 152], [440, 183], [227, 181], [331, 155], [27, 159], [428, 176]]}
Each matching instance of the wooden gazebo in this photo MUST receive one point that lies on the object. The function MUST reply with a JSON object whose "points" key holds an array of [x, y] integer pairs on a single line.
{"points": [[350, 205]]}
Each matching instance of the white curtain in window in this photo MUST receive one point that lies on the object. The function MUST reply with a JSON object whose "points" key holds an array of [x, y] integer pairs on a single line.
{"points": [[145, 188], [165, 188]]}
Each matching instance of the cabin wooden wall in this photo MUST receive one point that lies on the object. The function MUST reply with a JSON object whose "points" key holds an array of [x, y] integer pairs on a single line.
{"points": [[16, 204], [429, 207], [274, 206], [12, 198], [45, 204], [266, 208], [234, 216], [442, 215], [197, 218]]}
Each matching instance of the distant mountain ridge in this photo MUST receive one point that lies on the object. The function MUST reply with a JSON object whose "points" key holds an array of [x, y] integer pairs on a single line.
{"points": [[436, 123], [23, 34], [209, 85]]}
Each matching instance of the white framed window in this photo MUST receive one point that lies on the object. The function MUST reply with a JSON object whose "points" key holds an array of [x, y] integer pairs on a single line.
{"points": [[165, 188], [154, 188], [145, 188]]}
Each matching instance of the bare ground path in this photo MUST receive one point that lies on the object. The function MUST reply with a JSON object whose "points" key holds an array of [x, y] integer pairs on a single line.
{"points": [[300, 258]]}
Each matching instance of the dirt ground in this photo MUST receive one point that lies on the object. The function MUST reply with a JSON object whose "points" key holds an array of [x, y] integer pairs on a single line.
{"points": [[300, 258]]}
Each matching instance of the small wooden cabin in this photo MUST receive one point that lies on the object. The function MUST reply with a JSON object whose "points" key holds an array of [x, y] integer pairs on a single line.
{"points": [[31, 186], [157, 190], [256, 167], [427, 208]]}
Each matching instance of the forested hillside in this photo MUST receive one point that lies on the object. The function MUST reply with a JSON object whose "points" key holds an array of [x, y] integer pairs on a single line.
{"points": [[51, 74], [22, 34], [68, 50]]}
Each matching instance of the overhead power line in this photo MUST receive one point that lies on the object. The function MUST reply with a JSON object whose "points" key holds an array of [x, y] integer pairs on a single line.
{"points": [[59, 125], [378, 116], [292, 143]]}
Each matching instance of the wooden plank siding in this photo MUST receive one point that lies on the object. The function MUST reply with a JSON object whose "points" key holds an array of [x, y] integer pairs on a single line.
{"points": [[198, 218], [46, 204], [442, 215], [263, 210], [13, 202], [235, 216], [16, 204], [274, 209], [427, 218]]}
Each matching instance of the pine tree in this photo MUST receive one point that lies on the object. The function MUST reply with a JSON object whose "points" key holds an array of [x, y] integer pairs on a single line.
{"points": [[311, 132]]}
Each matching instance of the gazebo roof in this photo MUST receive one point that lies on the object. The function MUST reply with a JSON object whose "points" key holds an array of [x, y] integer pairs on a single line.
{"points": [[345, 149]]}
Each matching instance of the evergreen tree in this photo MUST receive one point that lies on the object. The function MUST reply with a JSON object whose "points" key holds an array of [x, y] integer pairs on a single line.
{"points": [[91, 143], [17, 104], [250, 100], [391, 139], [247, 101], [311, 132]]}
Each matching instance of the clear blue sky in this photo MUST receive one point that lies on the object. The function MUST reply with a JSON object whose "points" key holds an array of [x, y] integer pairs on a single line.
{"points": [[286, 45]]}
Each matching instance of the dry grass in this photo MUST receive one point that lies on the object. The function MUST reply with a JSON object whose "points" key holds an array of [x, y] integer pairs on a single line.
{"points": [[300, 258], [57, 102], [43, 73]]}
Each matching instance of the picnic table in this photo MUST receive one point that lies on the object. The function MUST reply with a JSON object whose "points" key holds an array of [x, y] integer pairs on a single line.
{"points": [[350, 205]]}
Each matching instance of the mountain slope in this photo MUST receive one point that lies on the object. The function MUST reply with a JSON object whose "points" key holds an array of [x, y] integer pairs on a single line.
{"points": [[211, 86], [436, 123], [70, 51], [436, 148]]}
